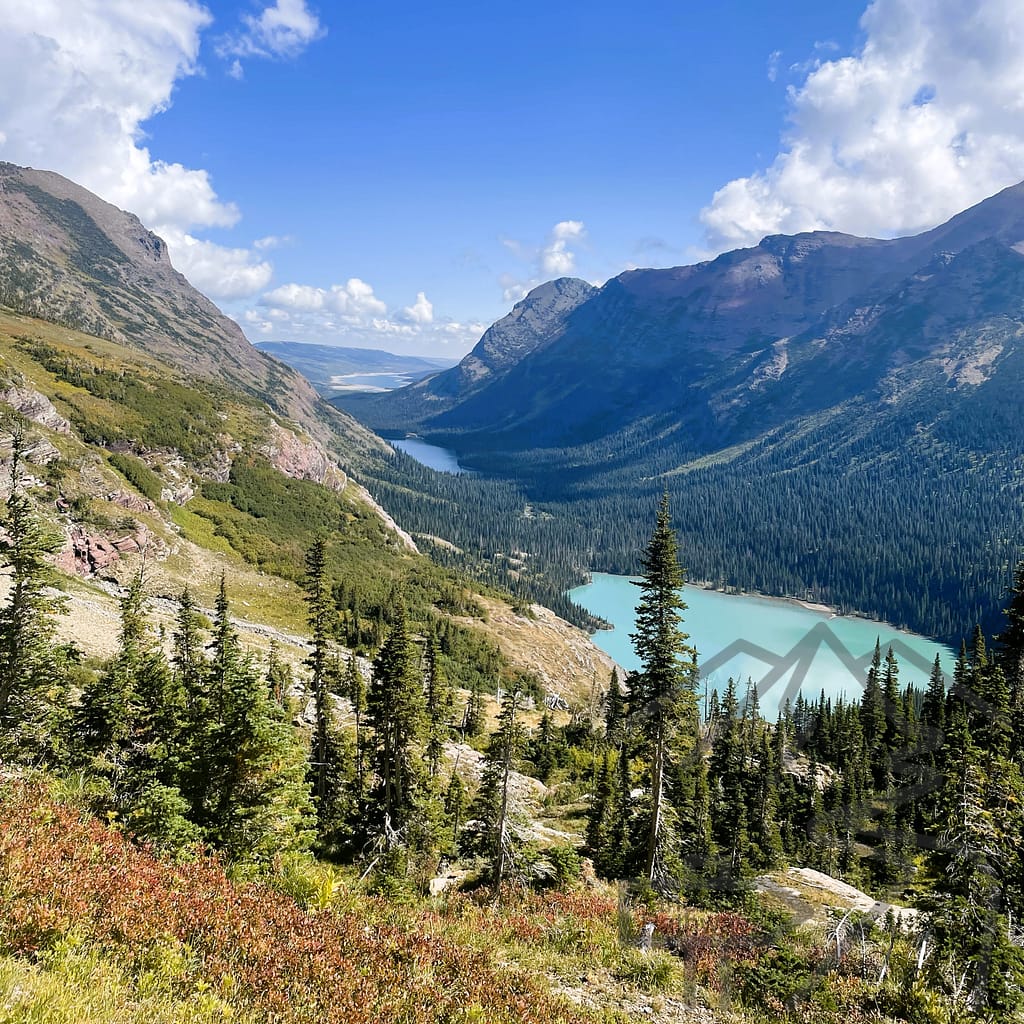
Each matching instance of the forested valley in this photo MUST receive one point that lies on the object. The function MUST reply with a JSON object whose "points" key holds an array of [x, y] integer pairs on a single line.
{"points": [[924, 537]]}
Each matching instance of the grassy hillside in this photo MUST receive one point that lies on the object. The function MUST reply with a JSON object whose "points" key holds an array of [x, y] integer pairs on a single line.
{"points": [[95, 931], [195, 464]]}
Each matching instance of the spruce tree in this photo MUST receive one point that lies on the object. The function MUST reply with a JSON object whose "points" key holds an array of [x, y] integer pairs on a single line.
{"points": [[455, 807], [473, 714], [355, 689], [129, 729], [279, 675], [600, 813], [439, 699], [873, 702], [544, 749], [614, 710], [663, 697], [933, 710], [975, 959], [395, 707], [33, 677], [320, 613], [1010, 641], [258, 799], [492, 806], [192, 669]]}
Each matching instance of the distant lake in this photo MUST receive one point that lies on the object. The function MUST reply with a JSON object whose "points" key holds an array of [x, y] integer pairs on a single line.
{"points": [[783, 646], [431, 455], [381, 381]]}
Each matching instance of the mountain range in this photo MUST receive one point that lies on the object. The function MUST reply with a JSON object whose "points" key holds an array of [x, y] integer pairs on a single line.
{"points": [[796, 398], [720, 350], [834, 417]]}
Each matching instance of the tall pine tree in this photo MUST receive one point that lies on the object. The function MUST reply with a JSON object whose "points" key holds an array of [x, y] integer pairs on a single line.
{"points": [[663, 698]]}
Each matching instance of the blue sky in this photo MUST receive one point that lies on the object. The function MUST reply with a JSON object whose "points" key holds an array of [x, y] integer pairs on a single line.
{"points": [[396, 175]]}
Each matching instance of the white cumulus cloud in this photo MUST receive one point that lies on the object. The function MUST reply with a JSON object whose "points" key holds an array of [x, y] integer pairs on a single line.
{"points": [[923, 121], [216, 270], [556, 258], [281, 30], [553, 259], [421, 311], [354, 299], [301, 297], [78, 81], [352, 314]]}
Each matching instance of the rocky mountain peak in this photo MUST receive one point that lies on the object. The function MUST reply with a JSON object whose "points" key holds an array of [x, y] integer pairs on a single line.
{"points": [[69, 257]]}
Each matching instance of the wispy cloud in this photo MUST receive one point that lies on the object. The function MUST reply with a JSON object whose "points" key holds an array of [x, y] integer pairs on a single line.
{"points": [[554, 258], [281, 31]]}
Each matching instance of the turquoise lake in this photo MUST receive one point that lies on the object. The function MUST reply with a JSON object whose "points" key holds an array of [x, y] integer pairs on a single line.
{"points": [[431, 455], [781, 645]]}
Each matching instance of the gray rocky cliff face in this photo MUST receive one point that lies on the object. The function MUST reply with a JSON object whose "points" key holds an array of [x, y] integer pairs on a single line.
{"points": [[533, 323]]}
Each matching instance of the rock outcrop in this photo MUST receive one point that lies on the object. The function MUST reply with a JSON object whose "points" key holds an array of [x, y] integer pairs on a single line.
{"points": [[91, 553], [35, 407], [302, 459]]}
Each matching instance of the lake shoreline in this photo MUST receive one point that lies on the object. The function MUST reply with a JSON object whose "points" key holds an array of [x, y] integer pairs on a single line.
{"points": [[786, 645], [811, 606]]}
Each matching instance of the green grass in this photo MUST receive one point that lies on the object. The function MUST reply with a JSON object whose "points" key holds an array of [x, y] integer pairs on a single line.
{"points": [[199, 530], [76, 982]]}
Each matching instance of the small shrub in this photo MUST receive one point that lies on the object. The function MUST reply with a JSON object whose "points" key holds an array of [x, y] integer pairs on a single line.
{"points": [[778, 979], [138, 474], [565, 860], [652, 971]]}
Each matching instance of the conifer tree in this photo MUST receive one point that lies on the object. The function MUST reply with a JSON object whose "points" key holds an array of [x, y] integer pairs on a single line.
{"points": [[614, 710], [355, 688], [699, 843], [874, 723], [258, 798], [455, 806], [129, 727], [764, 824], [975, 960], [663, 698], [873, 702], [893, 703], [439, 699], [192, 669], [395, 706], [933, 709], [1011, 641], [473, 713], [279, 675], [620, 855], [600, 813], [33, 677], [320, 612], [107, 713], [492, 805], [544, 749]]}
